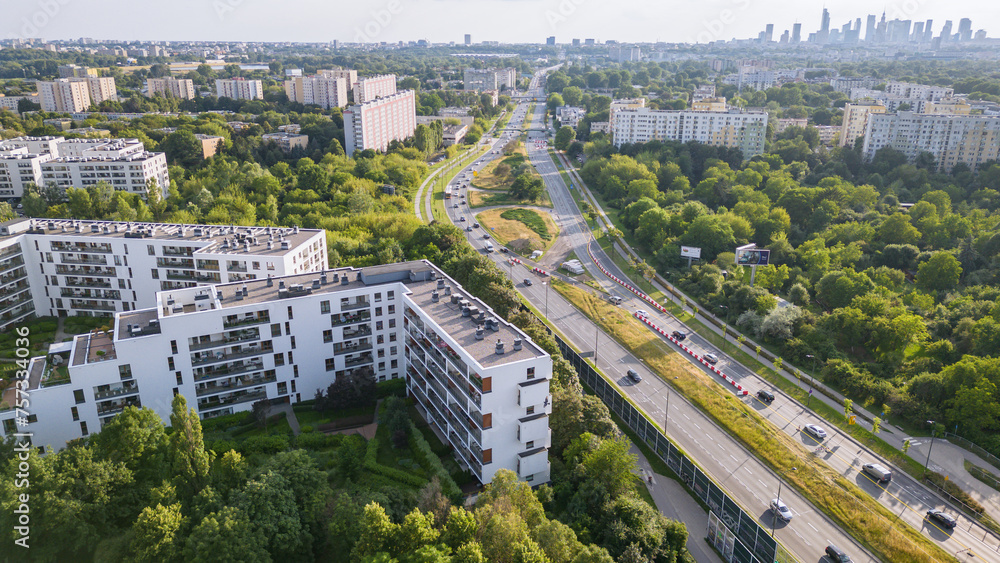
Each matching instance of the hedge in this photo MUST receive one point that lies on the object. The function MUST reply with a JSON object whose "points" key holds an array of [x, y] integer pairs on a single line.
{"points": [[432, 463], [372, 465]]}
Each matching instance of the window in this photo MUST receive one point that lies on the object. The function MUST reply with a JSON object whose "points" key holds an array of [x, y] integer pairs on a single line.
{"points": [[392, 350], [390, 295], [324, 307], [391, 309], [392, 337], [380, 339], [83, 427], [78, 396], [330, 364], [378, 325], [288, 328], [378, 297], [176, 391], [173, 346], [392, 323], [295, 373], [151, 250], [531, 373], [378, 311], [32, 418], [293, 342], [327, 336], [170, 363], [282, 388], [256, 265], [155, 273], [125, 371], [290, 315], [530, 410], [293, 387], [529, 445], [381, 352], [393, 364], [381, 366], [76, 413], [180, 378], [275, 330], [290, 358], [279, 359]]}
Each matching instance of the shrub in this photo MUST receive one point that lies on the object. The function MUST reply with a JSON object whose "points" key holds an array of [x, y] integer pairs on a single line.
{"points": [[264, 444], [313, 441], [432, 463]]}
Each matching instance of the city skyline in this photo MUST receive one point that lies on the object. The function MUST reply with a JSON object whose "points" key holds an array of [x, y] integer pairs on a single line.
{"points": [[442, 21]]}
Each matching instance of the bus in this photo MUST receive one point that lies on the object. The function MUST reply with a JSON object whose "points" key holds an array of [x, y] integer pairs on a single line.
{"points": [[447, 192]]}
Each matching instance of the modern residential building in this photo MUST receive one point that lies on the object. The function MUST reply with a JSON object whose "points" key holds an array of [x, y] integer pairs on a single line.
{"points": [[918, 91], [322, 90], [828, 134], [570, 115], [350, 75], [490, 78], [239, 89], [72, 95], [287, 141], [702, 92], [481, 383], [744, 130], [956, 106], [367, 89], [12, 103], [856, 119], [951, 139], [19, 168], [169, 86], [844, 84], [210, 144], [468, 39], [600, 127], [372, 125], [625, 103]]}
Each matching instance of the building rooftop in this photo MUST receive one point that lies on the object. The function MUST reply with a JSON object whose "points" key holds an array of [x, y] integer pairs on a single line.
{"points": [[213, 239]]}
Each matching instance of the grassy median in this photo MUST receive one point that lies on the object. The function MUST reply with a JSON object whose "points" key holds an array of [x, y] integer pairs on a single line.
{"points": [[853, 509]]}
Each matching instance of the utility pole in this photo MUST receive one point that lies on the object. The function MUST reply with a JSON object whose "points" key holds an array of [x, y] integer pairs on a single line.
{"points": [[774, 511], [666, 412], [931, 448]]}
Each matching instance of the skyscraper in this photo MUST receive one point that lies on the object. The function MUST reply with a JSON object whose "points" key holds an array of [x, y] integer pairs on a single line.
{"points": [[870, 29], [928, 33], [965, 29], [468, 39], [824, 29], [918, 32], [769, 32], [796, 33], [551, 40], [946, 32]]}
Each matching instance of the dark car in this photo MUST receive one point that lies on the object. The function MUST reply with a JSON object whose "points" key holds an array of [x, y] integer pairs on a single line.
{"points": [[634, 375], [765, 396], [837, 554], [475, 225], [711, 358], [527, 281], [678, 335], [946, 520]]}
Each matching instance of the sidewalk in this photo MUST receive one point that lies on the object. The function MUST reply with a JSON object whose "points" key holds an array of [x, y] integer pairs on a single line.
{"points": [[675, 503]]}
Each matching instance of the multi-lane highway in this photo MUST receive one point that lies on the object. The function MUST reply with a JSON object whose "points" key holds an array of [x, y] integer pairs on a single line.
{"points": [[747, 480]]}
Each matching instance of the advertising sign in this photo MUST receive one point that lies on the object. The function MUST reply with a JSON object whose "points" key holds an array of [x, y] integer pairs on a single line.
{"points": [[690, 252], [752, 257]]}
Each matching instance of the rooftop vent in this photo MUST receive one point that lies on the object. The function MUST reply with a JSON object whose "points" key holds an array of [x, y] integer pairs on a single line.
{"points": [[466, 311], [336, 277], [285, 245], [218, 294], [344, 280], [480, 333], [447, 290], [95, 229], [434, 297], [270, 281], [440, 283], [517, 344], [316, 284], [322, 278], [454, 297], [270, 246], [281, 284], [499, 347]]}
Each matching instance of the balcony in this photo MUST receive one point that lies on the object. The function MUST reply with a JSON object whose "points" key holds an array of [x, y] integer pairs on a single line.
{"points": [[178, 251], [363, 359], [96, 261], [364, 330], [342, 320], [238, 384], [212, 265], [86, 271], [222, 357], [233, 321], [186, 264], [84, 248], [359, 304], [351, 348], [114, 407], [232, 400], [15, 262], [235, 267], [234, 337], [119, 391], [75, 282], [201, 278], [238, 369], [90, 293], [11, 250], [91, 306]]}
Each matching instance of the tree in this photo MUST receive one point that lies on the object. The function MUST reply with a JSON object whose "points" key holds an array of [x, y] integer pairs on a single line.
{"points": [[225, 537], [183, 148], [269, 503], [941, 272], [155, 534], [572, 95], [527, 187], [898, 230], [839, 288], [564, 137], [188, 459], [32, 202], [259, 412], [711, 233]]}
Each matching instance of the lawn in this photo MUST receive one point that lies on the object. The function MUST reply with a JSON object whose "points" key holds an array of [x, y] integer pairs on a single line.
{"points": [[492, 199], [520, 228], [486, 179], [850, 507]]}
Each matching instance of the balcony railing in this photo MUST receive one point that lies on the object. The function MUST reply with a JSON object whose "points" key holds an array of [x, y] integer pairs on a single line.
{"points": [[75, 271], [231, 267], [233, 338], [177, 276], [233, 370], [339, 348], [104, 248], [252, 382], [358, 332], [244, 321], [219, 357], [365, 359], [356, 305], [81, 283], [90, 293], [120, 392], [209, 404], [101, 261], [115, 408], [182, 251], [342, 320], [181, 263], [91, 306]]}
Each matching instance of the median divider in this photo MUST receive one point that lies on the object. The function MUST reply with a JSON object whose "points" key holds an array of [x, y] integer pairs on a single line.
{"points": [[739, 388]]}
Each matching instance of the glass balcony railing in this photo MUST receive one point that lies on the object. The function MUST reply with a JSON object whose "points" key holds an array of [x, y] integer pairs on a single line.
{"points": [[234, 337], [218, 402], [234, 385], [234, 321]]}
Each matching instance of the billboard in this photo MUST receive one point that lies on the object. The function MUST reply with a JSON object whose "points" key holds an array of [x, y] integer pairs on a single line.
{"points": [[752, 256], [690, 252]]}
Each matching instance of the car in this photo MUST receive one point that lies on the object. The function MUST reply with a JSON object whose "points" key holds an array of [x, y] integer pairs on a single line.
{"points": [[946, 520], [642, 313], [456, 206], [634, 375], [486, 236], [877, 472], [475, 225], [503, 249], [815, 431], [837, 555], [765, 396], [711, 358], [527, 281], [678, 335], [462, 219], [781, 510]]}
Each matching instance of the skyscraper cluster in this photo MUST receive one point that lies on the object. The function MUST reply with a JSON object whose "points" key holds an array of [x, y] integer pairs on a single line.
{"points": [[877, 31]]}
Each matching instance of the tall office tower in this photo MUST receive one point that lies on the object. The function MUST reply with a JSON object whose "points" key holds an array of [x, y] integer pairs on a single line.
{"points": [[784, 38], [797, 33], [870, 29], [769, 32], [946, 32], [980, 35], [880, 30], [918, 32], [965, 29], [468, 39], [824, 29], [551, 40]]}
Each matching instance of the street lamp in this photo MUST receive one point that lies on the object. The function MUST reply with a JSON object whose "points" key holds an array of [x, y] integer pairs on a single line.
{"points": [[812, 381], [931, 448], [774, 511], [666, 412], [546, 299], [597, 333]]}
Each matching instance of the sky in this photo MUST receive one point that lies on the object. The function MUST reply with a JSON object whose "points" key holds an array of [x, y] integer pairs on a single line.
{"points": [[520, 21]]}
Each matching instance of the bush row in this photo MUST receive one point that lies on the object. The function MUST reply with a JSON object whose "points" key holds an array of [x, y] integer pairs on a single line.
{"points": [[432, 463], [392, 473]]}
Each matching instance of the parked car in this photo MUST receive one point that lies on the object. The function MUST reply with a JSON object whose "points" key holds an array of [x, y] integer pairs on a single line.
{"points": [[815, 431], [837, 555], [527, 281], [781, 509], [634, 375], [711, 358], [765, 396], [678, 335], [946, 520]]}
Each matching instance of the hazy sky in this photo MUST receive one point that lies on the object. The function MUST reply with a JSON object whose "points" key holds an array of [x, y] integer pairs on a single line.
{"points": [[449, 20]]}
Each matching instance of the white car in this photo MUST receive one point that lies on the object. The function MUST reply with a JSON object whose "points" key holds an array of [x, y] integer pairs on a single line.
{"points": [[711, 358], [815, 431], [642, 313], [781, 509]]}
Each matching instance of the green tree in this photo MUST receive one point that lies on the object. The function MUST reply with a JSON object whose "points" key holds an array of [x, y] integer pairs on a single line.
{"points": [[183, 148], [564, 137], [156, 533], [226, 536], [941, 272], [188, 459]]}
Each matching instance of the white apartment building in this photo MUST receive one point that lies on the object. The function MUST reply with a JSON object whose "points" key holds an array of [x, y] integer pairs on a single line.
{"points": [[367, 89], [972, 139], [828, 134], [350, 75], [11, 102], [490, 78], [570, 115], [844, 84], [918, 91], [239, 89], [625, 103], [856, 120], [18, 169], [287, 141], [182, 88], [736, 129], [321, 90], [72, 95], [479, 381], [702, 92], [786, 122], [372, 125]]}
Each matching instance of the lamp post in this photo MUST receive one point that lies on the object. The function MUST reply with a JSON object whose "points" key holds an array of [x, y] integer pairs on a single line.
{"points": [[812, 380], [546, 284], [774, 511], [666, 412], [597, 333], [931, 448]]}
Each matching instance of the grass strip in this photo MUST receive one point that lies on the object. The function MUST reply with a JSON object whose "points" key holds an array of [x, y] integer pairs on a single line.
{"points": [[844, 502], [530, 219]]}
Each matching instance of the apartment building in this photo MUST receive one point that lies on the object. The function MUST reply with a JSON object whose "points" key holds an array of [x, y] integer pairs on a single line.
{"points": [[570, 115], [321, 90], [828, 134], [856, 119], [350, 75], [171, 87], [239, 89], [734, 128], [709, 104], [479, 381], [75, 71], [12, 102], [210, 144], [785, 122], [918, 91], [367, 89], [372, 125], [287, 141], [490, 79], [73, 95], [625, 103], [844, 84], [972, 139], [19, 169], [702, 92], [954, 106]]}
